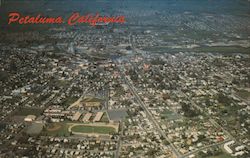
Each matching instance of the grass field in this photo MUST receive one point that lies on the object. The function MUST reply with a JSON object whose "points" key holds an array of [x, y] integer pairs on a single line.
{"points": [[167, 114], [93, 129], [105, 117], [63, 129], [57, 129]]}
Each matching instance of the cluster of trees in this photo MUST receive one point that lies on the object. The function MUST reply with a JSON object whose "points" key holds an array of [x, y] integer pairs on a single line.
{"points": [[224, 99], [3, 76], [189, 111]]}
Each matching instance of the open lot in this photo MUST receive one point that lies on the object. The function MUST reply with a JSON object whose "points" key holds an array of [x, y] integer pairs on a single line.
{"points": [[169, 115], [117, 114], [90, 101]]}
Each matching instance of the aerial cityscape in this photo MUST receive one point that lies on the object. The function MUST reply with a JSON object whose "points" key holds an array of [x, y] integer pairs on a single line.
{"points": [[172, 81]]}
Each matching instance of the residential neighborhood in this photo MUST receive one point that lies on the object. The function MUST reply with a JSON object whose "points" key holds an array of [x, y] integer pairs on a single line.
{"points": [[173, 81]]}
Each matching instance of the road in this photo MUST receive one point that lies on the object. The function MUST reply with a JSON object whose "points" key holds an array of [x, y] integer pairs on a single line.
{"points": [[212, 121], [205, 147], [151, 118], [119, 142], [117, 153]]}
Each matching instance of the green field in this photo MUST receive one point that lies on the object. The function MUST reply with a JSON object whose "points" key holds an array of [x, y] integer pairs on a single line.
{"points": [[105, 118], [56, 129], [62, 129], [93, 129], [167, 114]]}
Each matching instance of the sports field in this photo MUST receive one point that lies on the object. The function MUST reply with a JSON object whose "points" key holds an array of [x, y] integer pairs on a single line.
{"points": [[93, 129], [69, 128]]}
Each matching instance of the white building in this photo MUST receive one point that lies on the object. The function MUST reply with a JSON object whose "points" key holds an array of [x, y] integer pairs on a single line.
{"points": [[30, 118], [227, 148]]}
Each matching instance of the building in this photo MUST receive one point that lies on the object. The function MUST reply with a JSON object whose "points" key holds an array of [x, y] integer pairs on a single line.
{"points": [[76, 116], [87, 117], [92, 104], [241, 147], [30, 118], [98, 117], [41, 119], [227, 148], [239, 153]]}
